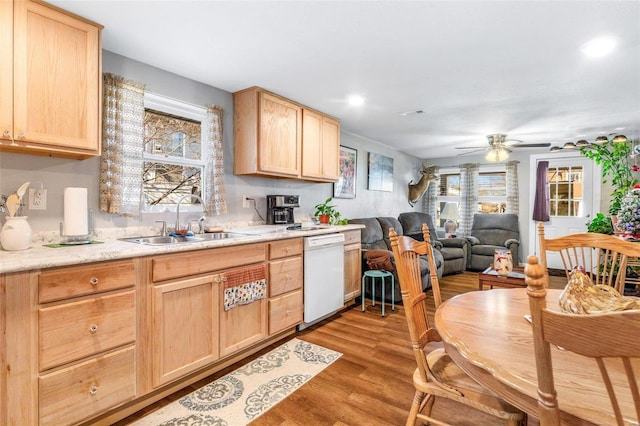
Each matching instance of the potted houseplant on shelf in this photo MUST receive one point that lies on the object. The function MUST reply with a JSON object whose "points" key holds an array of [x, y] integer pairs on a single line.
{"points": [[326, 213], [613, 157]]}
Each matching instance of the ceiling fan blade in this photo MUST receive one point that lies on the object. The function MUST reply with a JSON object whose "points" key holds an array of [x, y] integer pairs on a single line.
{"points": [[533, 145], [470, 147], [471, 152]]}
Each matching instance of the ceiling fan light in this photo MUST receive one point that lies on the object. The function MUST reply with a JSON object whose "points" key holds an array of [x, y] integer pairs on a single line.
{"points": [[582, 143], [503, 154], [620, 139], [569, 145], [602, 139], [492, 155], [555, 149]]}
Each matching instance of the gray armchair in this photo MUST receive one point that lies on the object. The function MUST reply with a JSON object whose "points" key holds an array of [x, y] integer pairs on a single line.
{"points": [[490, 232], [454, 250]]}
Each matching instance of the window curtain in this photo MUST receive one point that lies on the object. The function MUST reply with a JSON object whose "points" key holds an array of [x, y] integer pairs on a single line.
{"points": [[214, 182], [513, 202], [122, 146], [430, 199], [469, 195], [541, 203]]}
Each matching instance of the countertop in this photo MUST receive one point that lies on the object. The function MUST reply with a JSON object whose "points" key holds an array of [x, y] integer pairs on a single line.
{"points": [[39, 256]]}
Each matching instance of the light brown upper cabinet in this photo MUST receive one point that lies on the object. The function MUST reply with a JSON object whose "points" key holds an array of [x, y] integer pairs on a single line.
{"points": [[277, 137], [267, 134], [51, 93], [320, 146]]}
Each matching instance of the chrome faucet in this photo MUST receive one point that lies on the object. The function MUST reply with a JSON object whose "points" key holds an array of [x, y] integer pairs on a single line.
{"points": [[177, 228]]}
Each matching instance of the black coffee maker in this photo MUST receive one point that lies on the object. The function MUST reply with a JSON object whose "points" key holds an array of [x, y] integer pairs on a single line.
{"points": [[280, 209]]}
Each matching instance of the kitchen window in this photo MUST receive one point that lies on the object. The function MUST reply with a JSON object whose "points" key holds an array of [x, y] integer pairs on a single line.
{"points": [[174, 153]]}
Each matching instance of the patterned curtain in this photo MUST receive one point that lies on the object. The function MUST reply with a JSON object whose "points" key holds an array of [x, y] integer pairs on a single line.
{"points": [[122, 146], [214, 183], [513, 203], [469, 195], [430, 199]]}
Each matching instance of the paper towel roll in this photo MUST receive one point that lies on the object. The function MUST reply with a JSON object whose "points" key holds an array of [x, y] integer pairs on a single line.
{"points": [[76, 216]]}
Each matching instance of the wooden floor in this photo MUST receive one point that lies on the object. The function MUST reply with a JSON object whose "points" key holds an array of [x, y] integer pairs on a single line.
{"points": [[371, 383]]}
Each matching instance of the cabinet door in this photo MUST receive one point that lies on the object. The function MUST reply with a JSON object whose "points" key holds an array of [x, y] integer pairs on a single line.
{"points": [[311, 144], [330, 147], [352, 271], [280, 136], [242, 326], [59, 108], [320, 146], [6, 69], [185, 324]]}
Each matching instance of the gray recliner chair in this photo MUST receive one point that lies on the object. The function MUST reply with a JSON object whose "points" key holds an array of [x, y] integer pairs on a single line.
{"points": [[490, 232], [454, 250]]}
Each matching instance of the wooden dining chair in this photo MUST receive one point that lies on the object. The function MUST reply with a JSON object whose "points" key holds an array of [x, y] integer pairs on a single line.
{"points": [[604, 257], [436, 375], [606, 337]]}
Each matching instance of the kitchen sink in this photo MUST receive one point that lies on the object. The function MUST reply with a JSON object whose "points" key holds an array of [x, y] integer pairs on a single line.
{"points": [[169, 239]]}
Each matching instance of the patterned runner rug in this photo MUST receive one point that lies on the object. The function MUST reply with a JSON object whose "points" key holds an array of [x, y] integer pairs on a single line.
{"points": [[246, 393]]}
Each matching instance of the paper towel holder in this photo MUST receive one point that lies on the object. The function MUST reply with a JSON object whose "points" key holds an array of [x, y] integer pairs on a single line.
{"points": [[77, 239]]}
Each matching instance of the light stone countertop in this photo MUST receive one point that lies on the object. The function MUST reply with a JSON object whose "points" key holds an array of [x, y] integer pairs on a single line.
{"points": [[39, 256]]}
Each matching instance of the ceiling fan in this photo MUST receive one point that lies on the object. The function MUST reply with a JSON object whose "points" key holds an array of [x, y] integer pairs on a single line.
{"points": [[499, 147]]}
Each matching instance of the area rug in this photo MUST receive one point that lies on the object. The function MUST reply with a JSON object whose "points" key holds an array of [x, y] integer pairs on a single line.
{"points": [[248, 392]]}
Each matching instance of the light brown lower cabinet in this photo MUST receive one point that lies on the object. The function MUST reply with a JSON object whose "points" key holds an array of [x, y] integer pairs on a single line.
{"points": [[96, 342], [352, 265], [185, 327]]}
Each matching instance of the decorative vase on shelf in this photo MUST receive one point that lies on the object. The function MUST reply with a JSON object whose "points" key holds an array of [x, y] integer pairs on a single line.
{"points": [[502, 262], [15, 233]]}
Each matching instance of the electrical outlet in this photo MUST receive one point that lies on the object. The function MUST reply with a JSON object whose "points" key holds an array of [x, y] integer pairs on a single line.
{"points": [[37, 199], [246, 203]]}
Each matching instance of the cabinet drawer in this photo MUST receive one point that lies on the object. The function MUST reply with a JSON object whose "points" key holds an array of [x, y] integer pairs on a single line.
{"points": [[285, 275], [198, 262], [74, 281], [285, 248], [351, 237], [82, 328], [285, 311], [86, 389]]}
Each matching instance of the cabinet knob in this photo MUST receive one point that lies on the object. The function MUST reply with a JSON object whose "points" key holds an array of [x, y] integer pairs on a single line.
{"points": [[289, 277], [288, 249], [93, 390], [93, 328], [94, 281], [21, 134], [6, 133], [288, 313]]}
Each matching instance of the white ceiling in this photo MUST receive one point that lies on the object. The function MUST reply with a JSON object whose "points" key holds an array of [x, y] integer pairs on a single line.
{"points": [[472, 67]]}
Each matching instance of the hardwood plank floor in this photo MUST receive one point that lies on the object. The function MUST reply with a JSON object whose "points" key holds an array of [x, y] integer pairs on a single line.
{"points": [[371, 383]]}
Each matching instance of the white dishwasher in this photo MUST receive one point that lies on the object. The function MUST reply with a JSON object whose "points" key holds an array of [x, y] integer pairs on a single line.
{"points": [[323, 277]]}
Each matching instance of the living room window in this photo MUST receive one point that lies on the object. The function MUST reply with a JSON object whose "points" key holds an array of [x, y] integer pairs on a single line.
{"points": [[174, 153], [491, 188]]}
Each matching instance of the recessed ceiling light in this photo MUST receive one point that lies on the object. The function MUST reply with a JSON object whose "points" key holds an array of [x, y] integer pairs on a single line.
{"points": [[355, 100], [598, 47]]}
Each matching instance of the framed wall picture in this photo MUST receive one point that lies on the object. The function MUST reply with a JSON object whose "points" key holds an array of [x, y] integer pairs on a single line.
{"points": [[347, 168], [380, 172]]}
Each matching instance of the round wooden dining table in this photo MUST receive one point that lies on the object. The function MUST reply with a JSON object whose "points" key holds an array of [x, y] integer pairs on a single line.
{"points": [[487, 335]]}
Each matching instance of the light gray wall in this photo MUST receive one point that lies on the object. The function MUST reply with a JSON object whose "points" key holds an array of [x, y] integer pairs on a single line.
{"points": [[54, 174]]}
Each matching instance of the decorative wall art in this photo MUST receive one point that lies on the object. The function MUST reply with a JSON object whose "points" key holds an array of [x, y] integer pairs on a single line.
{"points": [[346, 185], [380, 172]]}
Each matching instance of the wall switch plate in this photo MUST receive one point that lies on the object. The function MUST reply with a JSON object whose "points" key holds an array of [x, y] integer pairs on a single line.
{"points": [[246, 203], [37, 199]]}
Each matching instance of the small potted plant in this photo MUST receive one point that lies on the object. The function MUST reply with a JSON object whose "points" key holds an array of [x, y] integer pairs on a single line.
{"points": [[601, 224], [325, 212]]}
